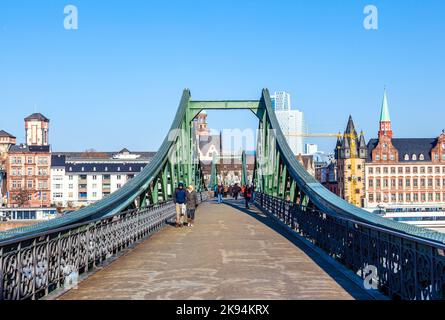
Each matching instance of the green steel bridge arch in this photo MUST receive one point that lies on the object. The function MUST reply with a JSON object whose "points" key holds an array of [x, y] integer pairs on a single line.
{"points": [[285, 189]]}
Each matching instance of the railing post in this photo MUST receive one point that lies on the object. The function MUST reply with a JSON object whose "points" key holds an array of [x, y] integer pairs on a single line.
{"points": [[1, 274]]}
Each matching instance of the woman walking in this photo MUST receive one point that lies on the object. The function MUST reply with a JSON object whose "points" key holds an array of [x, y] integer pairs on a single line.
{"points": [[180, 199], [191, 204]]}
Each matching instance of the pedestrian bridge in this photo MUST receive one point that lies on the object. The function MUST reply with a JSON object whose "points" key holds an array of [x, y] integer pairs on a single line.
{"points": [[406, 262], [230, 253]]}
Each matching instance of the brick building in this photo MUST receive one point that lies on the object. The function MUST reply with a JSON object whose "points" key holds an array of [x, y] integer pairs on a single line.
{"points": [[402, 171], [29, 166]]}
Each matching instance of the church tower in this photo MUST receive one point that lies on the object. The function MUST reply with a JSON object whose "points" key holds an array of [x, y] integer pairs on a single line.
{"points": [[385, 152], [37, 129], [351, 155]]}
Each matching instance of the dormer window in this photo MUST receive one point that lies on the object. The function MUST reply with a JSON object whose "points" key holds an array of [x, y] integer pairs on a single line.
{"points": [[392, 157], [421, 157], [406, 157], [377, 157], [414, 157]]}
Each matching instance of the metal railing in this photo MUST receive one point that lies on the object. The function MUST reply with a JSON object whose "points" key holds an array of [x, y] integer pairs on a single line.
{"points": [[400, 265], [31, 267]]}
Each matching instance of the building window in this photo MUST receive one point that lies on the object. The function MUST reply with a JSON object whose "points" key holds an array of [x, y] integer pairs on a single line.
{"points": [[371, 170], [415, 170], [371, 197], [385, 157], [437, 197], [118, 177], [385, 170], [430, 182], [416, 197], [400, 170], [422, 169], [371, 183], [437, 170], [377, 170], [400, 183], [70, 177], [415, 183], [385, 183], [430, 169], [392, 157], [408, 197], [94, 177], [94, 194], [393, 170], [400, 197], [29, 160], [407, 170], [408, 182], [430, 197], [377, 157]]}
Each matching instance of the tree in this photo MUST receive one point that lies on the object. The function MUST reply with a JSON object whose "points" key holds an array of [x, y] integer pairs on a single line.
{"points": [[21, 198]]}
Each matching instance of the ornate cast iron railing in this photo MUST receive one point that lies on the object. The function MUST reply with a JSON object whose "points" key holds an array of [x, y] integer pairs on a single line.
{"points": [[31, 267], [402, 266]]}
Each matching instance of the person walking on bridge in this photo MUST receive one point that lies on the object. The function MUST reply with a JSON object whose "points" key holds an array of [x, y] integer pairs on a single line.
{"points": [[220, 192], [247, 195], [236, 190], [180, 199], [191, 204]]}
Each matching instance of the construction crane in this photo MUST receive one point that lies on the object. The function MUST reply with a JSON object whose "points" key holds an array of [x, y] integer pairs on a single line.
{"points": [[353, 195]]}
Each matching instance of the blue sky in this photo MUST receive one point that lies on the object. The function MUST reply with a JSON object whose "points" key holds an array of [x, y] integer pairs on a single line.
{"points": [[117, 80]]}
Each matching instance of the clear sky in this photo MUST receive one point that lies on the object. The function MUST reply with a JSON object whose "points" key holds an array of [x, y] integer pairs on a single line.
{"points": [[117, 80]]}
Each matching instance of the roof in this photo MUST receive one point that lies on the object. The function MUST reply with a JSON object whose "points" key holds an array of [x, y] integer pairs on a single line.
{"points": [[58, 160], [384, 115], [102, 155], [107, 168], [26, 148], [37, 116], [408, 146], [3, 133]]}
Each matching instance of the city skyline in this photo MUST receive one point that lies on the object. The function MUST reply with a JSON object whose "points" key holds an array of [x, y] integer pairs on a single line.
{"points": [[122, 65]]}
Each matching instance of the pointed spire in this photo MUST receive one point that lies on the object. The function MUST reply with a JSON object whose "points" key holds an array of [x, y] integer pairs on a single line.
{"points": [[362, 140], [384, 115], [350, 128]]}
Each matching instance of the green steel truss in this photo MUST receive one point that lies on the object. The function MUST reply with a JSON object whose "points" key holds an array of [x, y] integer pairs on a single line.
{"points": [[277, 172]]}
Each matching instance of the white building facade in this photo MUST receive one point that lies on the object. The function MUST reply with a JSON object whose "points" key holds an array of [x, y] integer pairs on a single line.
{"points": [[77, 182], [291, 121]]}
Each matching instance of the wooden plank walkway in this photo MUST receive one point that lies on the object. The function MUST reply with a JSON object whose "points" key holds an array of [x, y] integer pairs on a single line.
{"points": [[228, 254]]}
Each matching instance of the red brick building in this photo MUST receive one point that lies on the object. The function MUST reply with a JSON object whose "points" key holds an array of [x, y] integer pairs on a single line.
{"points": [[28, 167], [403, 171]]}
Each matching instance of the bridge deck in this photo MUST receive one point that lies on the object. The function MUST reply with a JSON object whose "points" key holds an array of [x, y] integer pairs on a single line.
{"points": [[228, 254]]}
